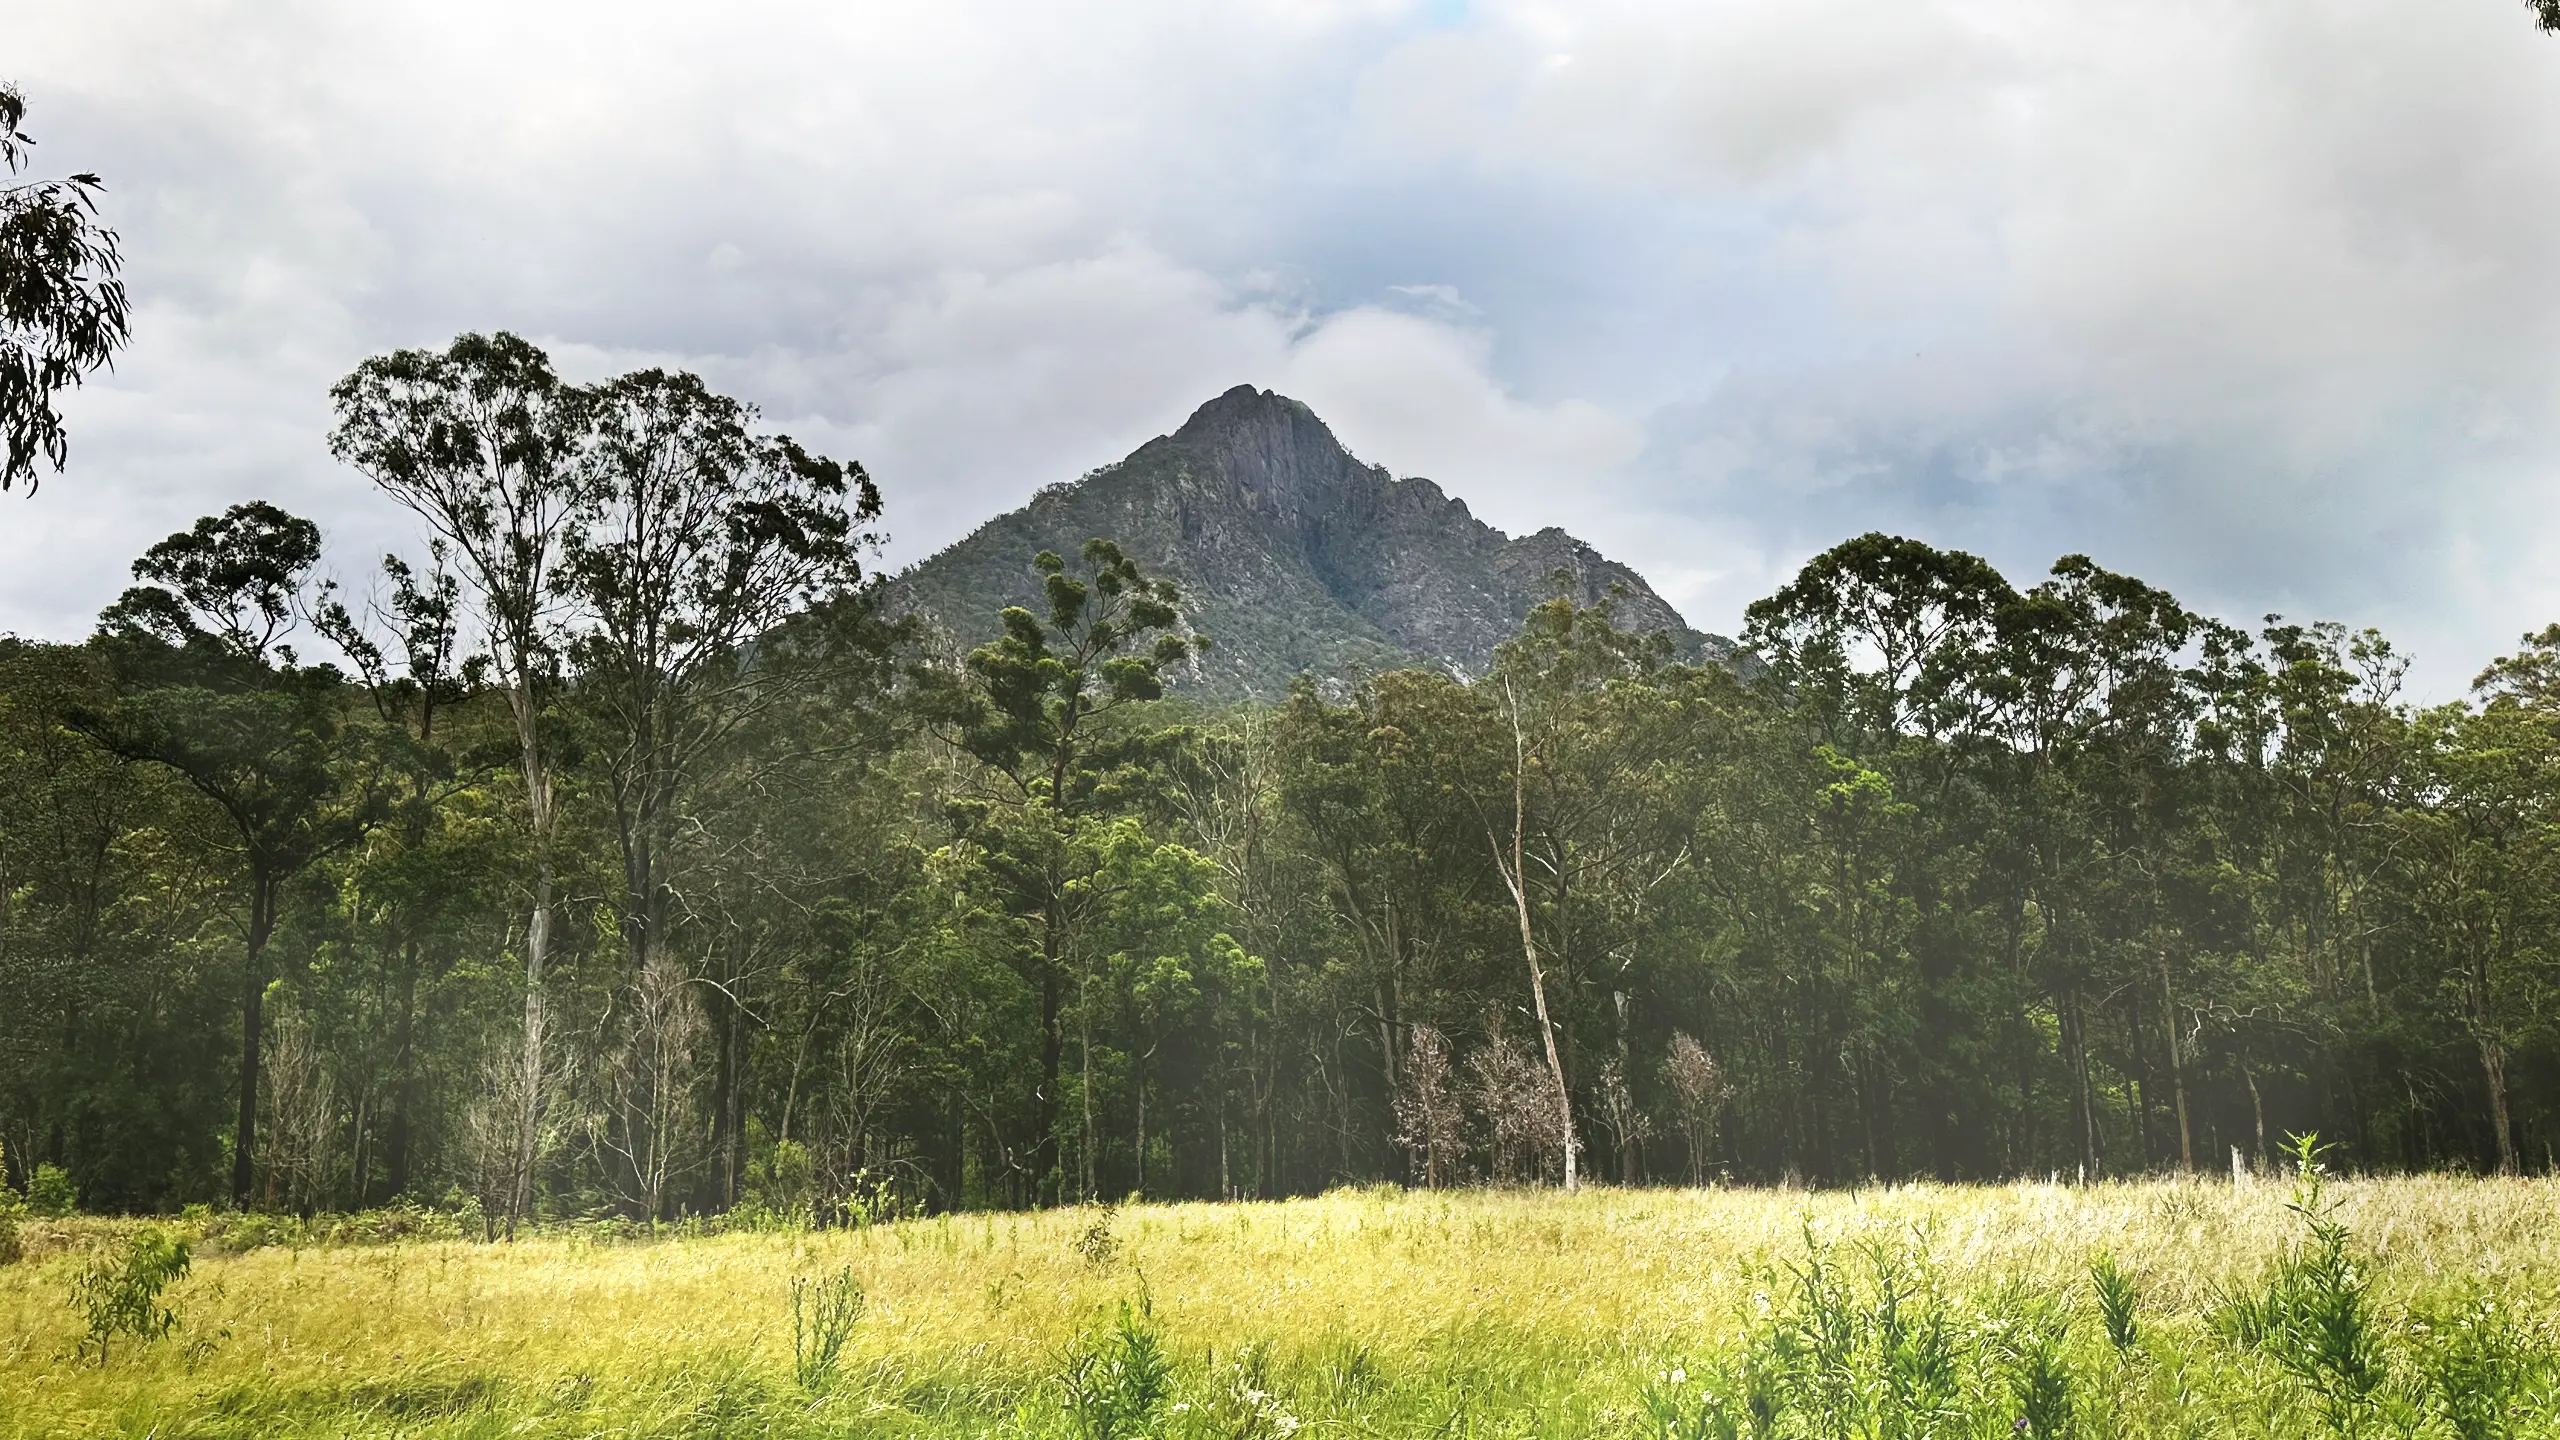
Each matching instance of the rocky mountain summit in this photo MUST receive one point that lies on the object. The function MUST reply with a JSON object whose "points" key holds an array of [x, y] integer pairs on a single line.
{"points": [[1293, 556]]}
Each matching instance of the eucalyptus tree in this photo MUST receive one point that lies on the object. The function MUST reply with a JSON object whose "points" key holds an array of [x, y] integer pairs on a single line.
{"points": [[475, 440], [2091, 715], [1030, 715], [209, 690], [2479, 846], [692, 543], [1878, 648], [63, 311], [1579, 838]]}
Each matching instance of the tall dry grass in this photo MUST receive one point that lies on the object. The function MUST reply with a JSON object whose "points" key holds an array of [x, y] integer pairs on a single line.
{"points": [[1385, 1312]]}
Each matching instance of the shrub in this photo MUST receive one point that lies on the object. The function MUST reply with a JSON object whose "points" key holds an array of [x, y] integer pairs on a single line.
{"points": [[12, 1249], [823, 1314], [50, 1192], [118, 1292], [781, 1184]]}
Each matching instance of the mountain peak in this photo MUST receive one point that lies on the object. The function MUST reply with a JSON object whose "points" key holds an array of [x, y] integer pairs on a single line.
{"points": [[1244, 408], [1271, 446], [1292, 555]]}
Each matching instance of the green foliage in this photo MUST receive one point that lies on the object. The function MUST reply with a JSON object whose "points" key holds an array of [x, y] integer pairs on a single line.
{"points": [[780, 1185], [118, 1291], [50, 1191], [1117, 1385], [2314, 1313], [63, 309], [2042, 1384], [2487, 1374], [2117, 1302], [824, 1312]]}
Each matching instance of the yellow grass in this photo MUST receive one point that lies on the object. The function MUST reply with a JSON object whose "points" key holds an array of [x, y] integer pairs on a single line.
{"points": [[970, 1314]]}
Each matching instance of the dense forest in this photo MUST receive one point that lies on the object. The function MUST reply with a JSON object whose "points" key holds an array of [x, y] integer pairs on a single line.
{"points": [[625, 854]]}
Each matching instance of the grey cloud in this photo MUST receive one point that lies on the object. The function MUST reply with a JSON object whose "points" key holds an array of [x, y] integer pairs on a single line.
{"points": [[2249, 298]]}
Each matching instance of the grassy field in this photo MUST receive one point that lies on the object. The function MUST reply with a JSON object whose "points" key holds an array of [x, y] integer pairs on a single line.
{"points": [[1894, 1312]]}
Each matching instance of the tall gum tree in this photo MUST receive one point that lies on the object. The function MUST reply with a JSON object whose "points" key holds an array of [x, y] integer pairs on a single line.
{"points": [[476, 440], [693, 545], [1582, 840]]}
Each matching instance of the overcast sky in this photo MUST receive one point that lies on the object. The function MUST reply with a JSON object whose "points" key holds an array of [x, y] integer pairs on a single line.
{"points": [[2260, 301]]}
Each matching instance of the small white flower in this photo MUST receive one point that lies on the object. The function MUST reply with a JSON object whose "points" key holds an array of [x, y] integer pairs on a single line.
{"points": [[1679, 1376]]}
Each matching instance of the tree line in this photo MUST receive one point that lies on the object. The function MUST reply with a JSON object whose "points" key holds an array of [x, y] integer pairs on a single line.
{"points": [[628, 852]]}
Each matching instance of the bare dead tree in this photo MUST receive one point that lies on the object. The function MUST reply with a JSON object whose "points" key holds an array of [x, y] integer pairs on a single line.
{"points": [[512, 1126], [1517, 1097], [1698, 1087], [1430, 1124], [645, 1129], [301, 1122], [1628, 1125], [868, 1059]]}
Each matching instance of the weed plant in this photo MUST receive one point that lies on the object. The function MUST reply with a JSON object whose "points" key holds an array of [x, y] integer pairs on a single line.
{"points": [[823, 1314], [2117, 1302], [2314, 1313], [1118, 1387]]}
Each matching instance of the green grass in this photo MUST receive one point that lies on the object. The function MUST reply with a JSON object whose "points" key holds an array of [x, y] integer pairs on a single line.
{"points": [[1901, 1312]]}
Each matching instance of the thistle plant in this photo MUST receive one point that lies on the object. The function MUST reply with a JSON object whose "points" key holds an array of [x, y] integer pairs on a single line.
{"points": [[823, 1314]]}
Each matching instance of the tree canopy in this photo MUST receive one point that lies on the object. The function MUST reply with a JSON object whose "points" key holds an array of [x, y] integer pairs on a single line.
{"points": [[638, 857]]}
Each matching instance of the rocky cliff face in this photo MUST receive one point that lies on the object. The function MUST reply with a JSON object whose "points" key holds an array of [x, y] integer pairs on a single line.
{"points": [[1292, 556]]}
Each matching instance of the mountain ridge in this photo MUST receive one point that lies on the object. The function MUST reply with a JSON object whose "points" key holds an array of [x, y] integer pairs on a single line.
{"points": [[1293, 556]]}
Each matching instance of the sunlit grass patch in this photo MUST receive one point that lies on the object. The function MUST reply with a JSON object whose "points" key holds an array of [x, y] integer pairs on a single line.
{"points": [[2118, 1309]]}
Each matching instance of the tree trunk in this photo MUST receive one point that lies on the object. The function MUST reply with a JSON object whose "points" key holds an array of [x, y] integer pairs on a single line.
{"points": [[725, 1095], [2257, 1110], [1518, 881], [2493, 1068], [263, 884], [1047, 1179], [2075, 1039], [2177, 1072], [1084, 1084], [404, 1081], [537, 952]]}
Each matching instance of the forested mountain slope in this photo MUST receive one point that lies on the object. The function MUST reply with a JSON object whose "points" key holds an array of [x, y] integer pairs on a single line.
{"points": [[1293, 556]]}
